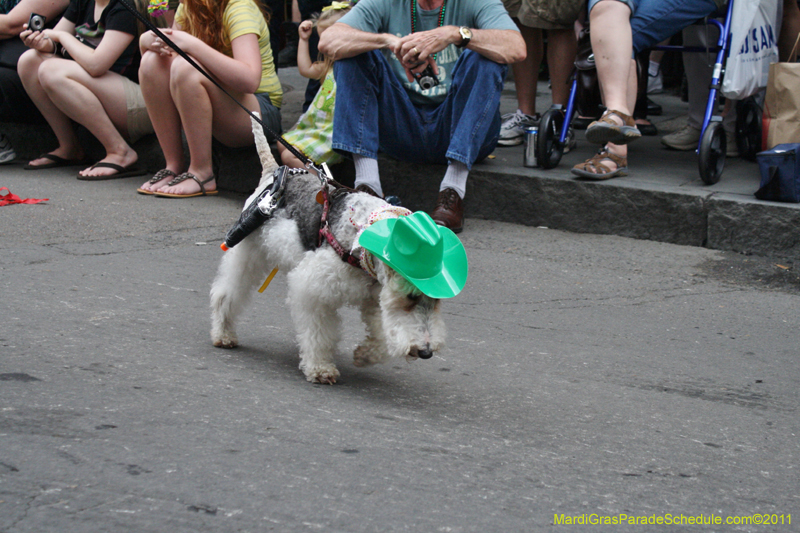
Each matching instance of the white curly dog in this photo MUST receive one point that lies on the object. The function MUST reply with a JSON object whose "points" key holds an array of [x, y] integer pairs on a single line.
{"points": [[402, 318]]}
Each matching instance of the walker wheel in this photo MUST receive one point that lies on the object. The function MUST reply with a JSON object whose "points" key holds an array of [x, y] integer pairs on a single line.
{"points": [[548, 148], [713, 147], [748, 128]]}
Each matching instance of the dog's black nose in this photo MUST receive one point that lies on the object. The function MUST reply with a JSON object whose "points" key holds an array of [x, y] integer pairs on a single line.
{"points": [[424, 354]]}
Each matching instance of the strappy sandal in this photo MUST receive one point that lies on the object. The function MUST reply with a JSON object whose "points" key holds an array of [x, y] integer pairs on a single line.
{"points": [[604, 130], [162, 174], [180, 179], [594, 169]]}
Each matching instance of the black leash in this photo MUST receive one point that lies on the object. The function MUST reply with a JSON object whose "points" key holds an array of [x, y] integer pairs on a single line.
{"points": [[150, 26]]}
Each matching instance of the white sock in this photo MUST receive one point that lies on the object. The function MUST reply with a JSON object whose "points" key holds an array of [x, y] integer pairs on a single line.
{"points": [[653, 68], [367, 173], [455, 178]]}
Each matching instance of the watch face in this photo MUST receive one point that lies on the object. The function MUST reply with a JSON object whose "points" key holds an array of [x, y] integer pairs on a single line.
{"points": [[466, 33]]}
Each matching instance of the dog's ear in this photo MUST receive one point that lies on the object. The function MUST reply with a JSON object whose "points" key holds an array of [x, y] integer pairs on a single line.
{"points": [[268, 163]]}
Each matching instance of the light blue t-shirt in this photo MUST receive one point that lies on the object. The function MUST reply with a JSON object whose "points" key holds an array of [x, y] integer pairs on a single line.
{"points": [[394, 16]]}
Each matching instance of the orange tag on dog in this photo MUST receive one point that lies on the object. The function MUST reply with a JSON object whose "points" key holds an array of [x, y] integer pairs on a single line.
{"points": [[320, 199]]}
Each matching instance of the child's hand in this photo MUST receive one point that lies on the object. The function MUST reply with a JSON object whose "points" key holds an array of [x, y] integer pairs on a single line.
{"points": [[38, 40], [305, 29]]}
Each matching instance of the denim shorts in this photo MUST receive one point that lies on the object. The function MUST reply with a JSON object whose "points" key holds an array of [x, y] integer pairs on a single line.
{"points": [[270, 115], [653, 21]]}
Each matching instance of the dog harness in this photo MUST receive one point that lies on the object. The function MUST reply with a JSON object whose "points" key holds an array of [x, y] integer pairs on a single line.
{"points": [[326, 233], [364, 260]]}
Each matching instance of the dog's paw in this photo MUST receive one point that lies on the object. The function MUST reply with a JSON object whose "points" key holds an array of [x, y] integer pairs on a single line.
{"points": [[325, 374], [367, 354], [226, 341]]}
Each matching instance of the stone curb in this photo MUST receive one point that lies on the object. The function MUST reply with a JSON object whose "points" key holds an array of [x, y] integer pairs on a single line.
{"points": [[677, 215]]}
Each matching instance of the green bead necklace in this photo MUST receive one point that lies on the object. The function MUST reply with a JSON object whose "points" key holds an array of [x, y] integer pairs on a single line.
{"points": [[414, 17]]}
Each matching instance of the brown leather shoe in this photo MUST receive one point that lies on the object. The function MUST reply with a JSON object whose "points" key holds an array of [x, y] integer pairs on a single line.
{"points": [[449, 211], [367, 189]]}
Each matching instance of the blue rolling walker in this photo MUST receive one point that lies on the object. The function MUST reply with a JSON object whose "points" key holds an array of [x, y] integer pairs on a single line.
{"points": [[712, 147]]}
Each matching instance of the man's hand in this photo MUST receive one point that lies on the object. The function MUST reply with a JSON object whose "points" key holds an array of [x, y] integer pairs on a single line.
{"points": [[501, 46], [422, 44], [415, 51], [419, 64]]}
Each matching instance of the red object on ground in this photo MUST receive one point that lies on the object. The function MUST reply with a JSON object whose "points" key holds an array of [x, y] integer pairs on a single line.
{"points": [[8, 198]]}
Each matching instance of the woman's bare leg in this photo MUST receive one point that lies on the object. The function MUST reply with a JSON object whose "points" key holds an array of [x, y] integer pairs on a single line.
{"points": [[98, 104], [154, 79], [204, 109], [612, 43], [28, 68]]}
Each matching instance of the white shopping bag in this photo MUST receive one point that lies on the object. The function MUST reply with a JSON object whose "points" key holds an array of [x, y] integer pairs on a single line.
{"points": [[754, 45]]}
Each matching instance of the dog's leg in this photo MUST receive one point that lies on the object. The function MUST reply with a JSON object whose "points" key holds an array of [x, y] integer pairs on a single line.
{"points": [[372, 349], [314, 303], [241, 270]]}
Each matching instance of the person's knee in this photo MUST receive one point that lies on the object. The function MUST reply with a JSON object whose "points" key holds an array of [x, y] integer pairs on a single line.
{"points": [[610, 9], [52, 73], [366, 62], [479, 69], [153, 67], [148, 62], [181, 72], [28, 63]]}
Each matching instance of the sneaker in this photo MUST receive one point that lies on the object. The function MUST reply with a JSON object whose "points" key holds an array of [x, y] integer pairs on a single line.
{"points": [[7, 153], [512, 130], [685, 139]]}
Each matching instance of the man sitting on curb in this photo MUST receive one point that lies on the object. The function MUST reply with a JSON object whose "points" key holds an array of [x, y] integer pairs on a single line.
{"points": [[381, 102]]}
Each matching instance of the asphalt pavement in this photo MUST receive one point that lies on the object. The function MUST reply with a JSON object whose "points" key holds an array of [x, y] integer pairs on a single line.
{"points": [[587, 377]]}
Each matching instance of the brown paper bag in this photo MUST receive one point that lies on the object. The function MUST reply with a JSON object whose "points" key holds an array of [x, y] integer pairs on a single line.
{"points": [[781, 122]]}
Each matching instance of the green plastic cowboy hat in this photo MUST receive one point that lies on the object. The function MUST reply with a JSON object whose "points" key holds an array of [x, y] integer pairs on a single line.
{"points": [[430, 256]]}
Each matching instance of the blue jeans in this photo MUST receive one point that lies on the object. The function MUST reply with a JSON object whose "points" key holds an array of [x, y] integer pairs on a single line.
{"points": [[374, 113], [653, 21]]}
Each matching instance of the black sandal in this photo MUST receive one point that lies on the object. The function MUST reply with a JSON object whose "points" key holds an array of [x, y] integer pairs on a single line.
{"points": [[183, 177], [162, 174]]}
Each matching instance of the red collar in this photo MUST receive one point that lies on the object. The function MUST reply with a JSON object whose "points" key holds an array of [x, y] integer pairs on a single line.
{"points": [[326, 233]]}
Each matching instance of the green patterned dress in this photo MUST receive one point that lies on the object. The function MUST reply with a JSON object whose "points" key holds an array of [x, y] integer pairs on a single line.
{"points": [[313, 132]]}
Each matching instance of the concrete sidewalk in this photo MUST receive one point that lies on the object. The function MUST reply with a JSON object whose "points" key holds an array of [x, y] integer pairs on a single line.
{"points": [[662, 199]]}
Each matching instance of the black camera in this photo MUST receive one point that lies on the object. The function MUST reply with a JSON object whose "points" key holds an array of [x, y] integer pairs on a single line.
{"points": [[36, 22], [427, 79]]}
